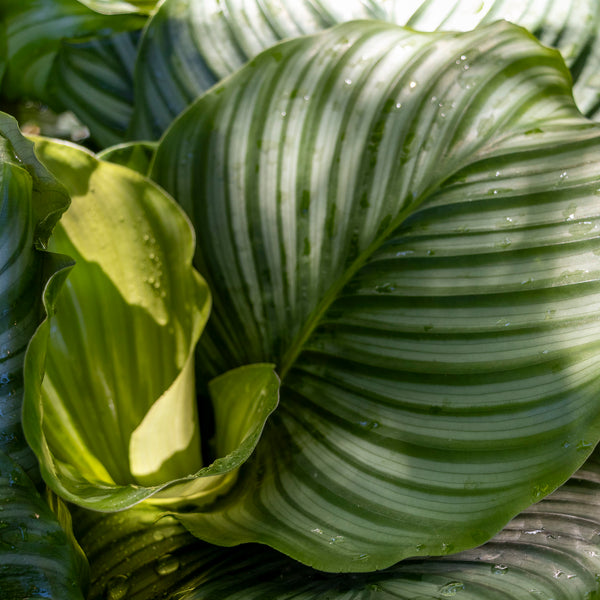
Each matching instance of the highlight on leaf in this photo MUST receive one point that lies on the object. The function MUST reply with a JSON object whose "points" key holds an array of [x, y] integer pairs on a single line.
{"points": [[110, 405], [413, 244]]}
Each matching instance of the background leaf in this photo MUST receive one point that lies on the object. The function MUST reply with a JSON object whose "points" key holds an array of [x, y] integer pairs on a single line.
{"points": [[94, 78], [37, 558], [35, 31], [394, 231]]}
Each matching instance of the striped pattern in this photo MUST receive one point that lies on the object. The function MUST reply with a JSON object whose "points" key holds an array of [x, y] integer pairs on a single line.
{"points": [[407, 225], [94, 79], [37, 559], [549, 551], [572, 26], [188, 46], [34, 33]]}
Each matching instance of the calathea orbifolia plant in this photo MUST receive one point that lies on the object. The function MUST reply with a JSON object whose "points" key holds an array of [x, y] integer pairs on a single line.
{"points": [[404, 225]]}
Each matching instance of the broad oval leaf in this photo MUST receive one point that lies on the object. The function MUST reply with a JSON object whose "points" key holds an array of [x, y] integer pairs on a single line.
{"points": [[189, 46], [414, 244], [548, 551], [110, 403]]}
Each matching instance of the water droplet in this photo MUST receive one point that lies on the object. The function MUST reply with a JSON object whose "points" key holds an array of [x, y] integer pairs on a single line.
{"points": [[317, 531], [361, 557], [385, 288], [534, 531], [540, 490], [451, 589], [447, 548], [412, 85], [167, 564], [369, 425], [405, 253], [336, 539], [581, 228], [158, 536], [283, 113], [116, 588], [499, 569], [348, 81], [584, 445]]}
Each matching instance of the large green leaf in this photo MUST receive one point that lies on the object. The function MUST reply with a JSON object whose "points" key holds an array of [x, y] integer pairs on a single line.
{"points": [[549, 551], [120, 335], [406, 224], [110, 403], [31, 202], [188, 46], [35, 31], [38, 559]]}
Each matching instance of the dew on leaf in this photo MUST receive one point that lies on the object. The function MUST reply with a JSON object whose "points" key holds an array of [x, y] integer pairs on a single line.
{"points": [[167, 565], [451, 589]]}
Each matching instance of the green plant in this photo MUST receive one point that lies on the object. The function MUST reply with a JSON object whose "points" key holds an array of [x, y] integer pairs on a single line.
{"points": [[399, 235]]}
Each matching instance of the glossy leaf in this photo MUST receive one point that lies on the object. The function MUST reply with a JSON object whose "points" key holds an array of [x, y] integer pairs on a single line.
{"points": [[120, 335], [30, 204], [35, 31], [189, 46], [37, 558], [94, 79], [414, 244], [110, 400], [549, 551]]}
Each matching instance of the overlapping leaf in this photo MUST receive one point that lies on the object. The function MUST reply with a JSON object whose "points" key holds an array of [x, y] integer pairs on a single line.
{"points": [[549, 551], [31, 203], [38, 559], [406, 224], [110, 406], [189, 46], [34, 33], [94, 79]]}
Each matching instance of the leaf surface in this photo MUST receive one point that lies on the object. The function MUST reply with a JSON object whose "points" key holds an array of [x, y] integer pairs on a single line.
{"points": [[414, 245], [31, 202], [35, 31], [189, 47], [116, 349], [37, 558], [548, 551]]}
